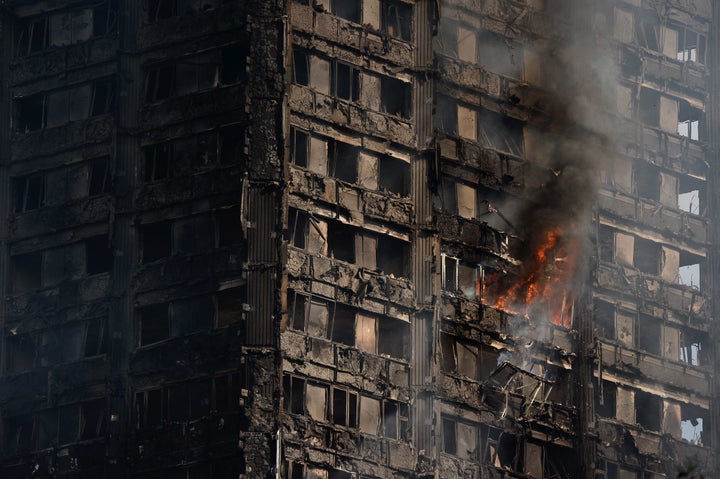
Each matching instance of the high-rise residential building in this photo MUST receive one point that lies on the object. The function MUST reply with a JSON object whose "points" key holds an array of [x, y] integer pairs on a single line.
{"points": [[359, 239]]}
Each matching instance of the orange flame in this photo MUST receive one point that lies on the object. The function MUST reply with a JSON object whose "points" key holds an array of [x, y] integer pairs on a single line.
{"points": [[544, 280]]}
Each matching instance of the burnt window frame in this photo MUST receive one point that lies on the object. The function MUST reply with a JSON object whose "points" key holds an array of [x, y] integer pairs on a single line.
{"points": [[352, 82], [349, 416], [21, 192], [155, 312], [399, 105]]}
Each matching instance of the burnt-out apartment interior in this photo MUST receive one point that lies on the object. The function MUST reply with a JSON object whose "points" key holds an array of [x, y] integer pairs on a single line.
{"points": [[359, 239]]}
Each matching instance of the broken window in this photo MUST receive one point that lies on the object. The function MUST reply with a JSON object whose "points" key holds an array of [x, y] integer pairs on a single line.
{"points": [[691, 46], [155, 241], [103, 97], [345, 82], [95, 337], [498, 55], [27, 271], [459, 277], [397, 19], [605, 319], [231, 146], [648, 334], [348, 9], [190, 315], [301, 67], [18, 434], [158, 158], [30, 113], [28, 192], [393, 338], [646, 256], [231, 306], [648, 410], [392, 255], [694, 422], [446, 115], [344, 407], [161, 10], [232, 68], [342, 325], [647, 180], [693, 347], [689, 121], [343, 161], [160, 83], [649, 112], [395, 97], [647, 32], [691, 195], [20, 352], [606, 243], [227, 391], [605, 399], [394, 175], [228, 227], [149, 408], [154, 324], [341, 242], [395, 422], [31, 35], [500, 132], [299, 147], [105, 18], [99, 176], [690, 270], [293, 394], [98, 254], [475, 361], [460, 439]]}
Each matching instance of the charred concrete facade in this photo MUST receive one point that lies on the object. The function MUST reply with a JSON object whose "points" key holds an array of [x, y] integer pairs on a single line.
{"points": [[286, 238]]}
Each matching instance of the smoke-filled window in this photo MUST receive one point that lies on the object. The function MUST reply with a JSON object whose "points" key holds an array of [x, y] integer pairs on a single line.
{"points": [[646, 256], [647, 180], [648, 334], [604, 315], [605, 399], [395, 97]]}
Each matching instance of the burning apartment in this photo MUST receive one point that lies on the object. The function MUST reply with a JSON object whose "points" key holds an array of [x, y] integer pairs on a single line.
{"points": [[359, 239]]}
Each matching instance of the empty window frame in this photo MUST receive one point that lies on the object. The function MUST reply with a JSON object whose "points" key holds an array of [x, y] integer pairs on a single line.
{"points": [[392, 255], [343, 161], [21, 352], [689, 122], [648, 410], [395, 97], [46, 110], [480, 443], [397, 19]]}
